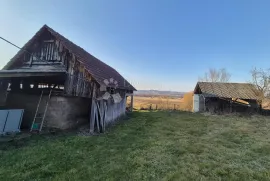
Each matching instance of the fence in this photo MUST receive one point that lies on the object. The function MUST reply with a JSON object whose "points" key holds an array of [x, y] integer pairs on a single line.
{"points": [[159, 107], [160, 103]]}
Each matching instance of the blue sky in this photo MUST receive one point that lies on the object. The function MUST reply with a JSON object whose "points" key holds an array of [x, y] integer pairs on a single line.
{"points": [[155, 44]]}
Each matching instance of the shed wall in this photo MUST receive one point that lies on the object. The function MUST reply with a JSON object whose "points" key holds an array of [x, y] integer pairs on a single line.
{"points": [[196, 103], [216, 105], [115, 110]]}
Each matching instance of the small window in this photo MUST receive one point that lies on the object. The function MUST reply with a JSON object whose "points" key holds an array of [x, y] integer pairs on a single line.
{"points": [[112, 90]]}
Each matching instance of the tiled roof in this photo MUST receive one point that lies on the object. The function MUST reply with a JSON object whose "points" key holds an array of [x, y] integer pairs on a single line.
{"points": [[98, 69], [227, 90]]}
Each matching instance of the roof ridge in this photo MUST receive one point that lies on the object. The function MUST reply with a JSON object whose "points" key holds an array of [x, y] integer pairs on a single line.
{"points": [[226, 82]]}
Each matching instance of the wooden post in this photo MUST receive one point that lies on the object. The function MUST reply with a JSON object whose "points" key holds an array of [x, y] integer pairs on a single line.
{"points": [[131, 103], [84, 84], [71, 76], [174, 107], [93, 109], [31, 60], [105, 111], [156, 106], [97, 118], [231, 106]]}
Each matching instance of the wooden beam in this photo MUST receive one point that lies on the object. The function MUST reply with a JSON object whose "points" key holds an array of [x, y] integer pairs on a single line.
{"points": [[93, 109], [131, 103], [101, 113], [71, 75], [99, 118], [231, 106], [31, 60], [29, 74], [84, 84], [104, 117]]}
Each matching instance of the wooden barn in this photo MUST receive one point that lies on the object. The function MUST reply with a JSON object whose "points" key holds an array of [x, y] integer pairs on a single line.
{"points": [[226, 97], [60, 85]]}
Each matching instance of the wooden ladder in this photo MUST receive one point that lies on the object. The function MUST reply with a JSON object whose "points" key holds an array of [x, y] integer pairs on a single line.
{"points": [[38, 120]]}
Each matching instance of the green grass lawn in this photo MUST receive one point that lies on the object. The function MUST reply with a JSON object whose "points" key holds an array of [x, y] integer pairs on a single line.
{"points": [[148, 146]]}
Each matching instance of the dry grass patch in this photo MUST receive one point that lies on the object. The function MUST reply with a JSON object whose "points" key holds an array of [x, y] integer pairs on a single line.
{"points": [[164, 102], [159, 102]]}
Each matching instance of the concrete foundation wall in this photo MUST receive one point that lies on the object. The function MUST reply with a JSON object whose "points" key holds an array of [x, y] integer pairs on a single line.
{"points": [[63, 112], [67, 112]]}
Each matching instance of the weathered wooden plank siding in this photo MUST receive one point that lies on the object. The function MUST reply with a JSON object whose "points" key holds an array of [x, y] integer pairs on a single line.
{"points": [[93, 111], [79, 81], [47, 53], [114, 110]]}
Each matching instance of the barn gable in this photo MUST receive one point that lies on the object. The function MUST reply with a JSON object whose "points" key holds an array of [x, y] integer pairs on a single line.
{"points": [[42, 51], [50, 50]]}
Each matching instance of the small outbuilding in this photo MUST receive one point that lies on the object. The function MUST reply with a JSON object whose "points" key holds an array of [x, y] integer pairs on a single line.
{"points": [[226, 97]]}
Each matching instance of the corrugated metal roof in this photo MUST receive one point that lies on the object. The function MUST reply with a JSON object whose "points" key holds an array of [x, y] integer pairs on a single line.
{"points": [[228, 90], [98, 69]]}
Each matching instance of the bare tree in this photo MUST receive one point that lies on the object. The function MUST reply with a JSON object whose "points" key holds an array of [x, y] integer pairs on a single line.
{"points": [[214, 75], [261, 79]]}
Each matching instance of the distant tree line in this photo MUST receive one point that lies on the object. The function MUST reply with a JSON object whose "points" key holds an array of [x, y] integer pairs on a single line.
{"points": [[216, 75]]}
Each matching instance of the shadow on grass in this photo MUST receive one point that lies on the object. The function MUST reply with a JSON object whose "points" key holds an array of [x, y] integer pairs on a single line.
{"points": [[19, 141], [15, 142]]}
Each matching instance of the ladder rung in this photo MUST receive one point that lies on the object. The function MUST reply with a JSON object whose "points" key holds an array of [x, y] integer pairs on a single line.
{"points": [[35, 129], [38, 117]]}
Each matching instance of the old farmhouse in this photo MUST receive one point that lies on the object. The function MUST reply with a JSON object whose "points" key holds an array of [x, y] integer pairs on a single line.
{"points": [[225, 97], [60, 85]]}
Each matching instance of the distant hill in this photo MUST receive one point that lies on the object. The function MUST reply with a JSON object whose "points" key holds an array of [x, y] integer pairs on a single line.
{"points": [[158, 93]]}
